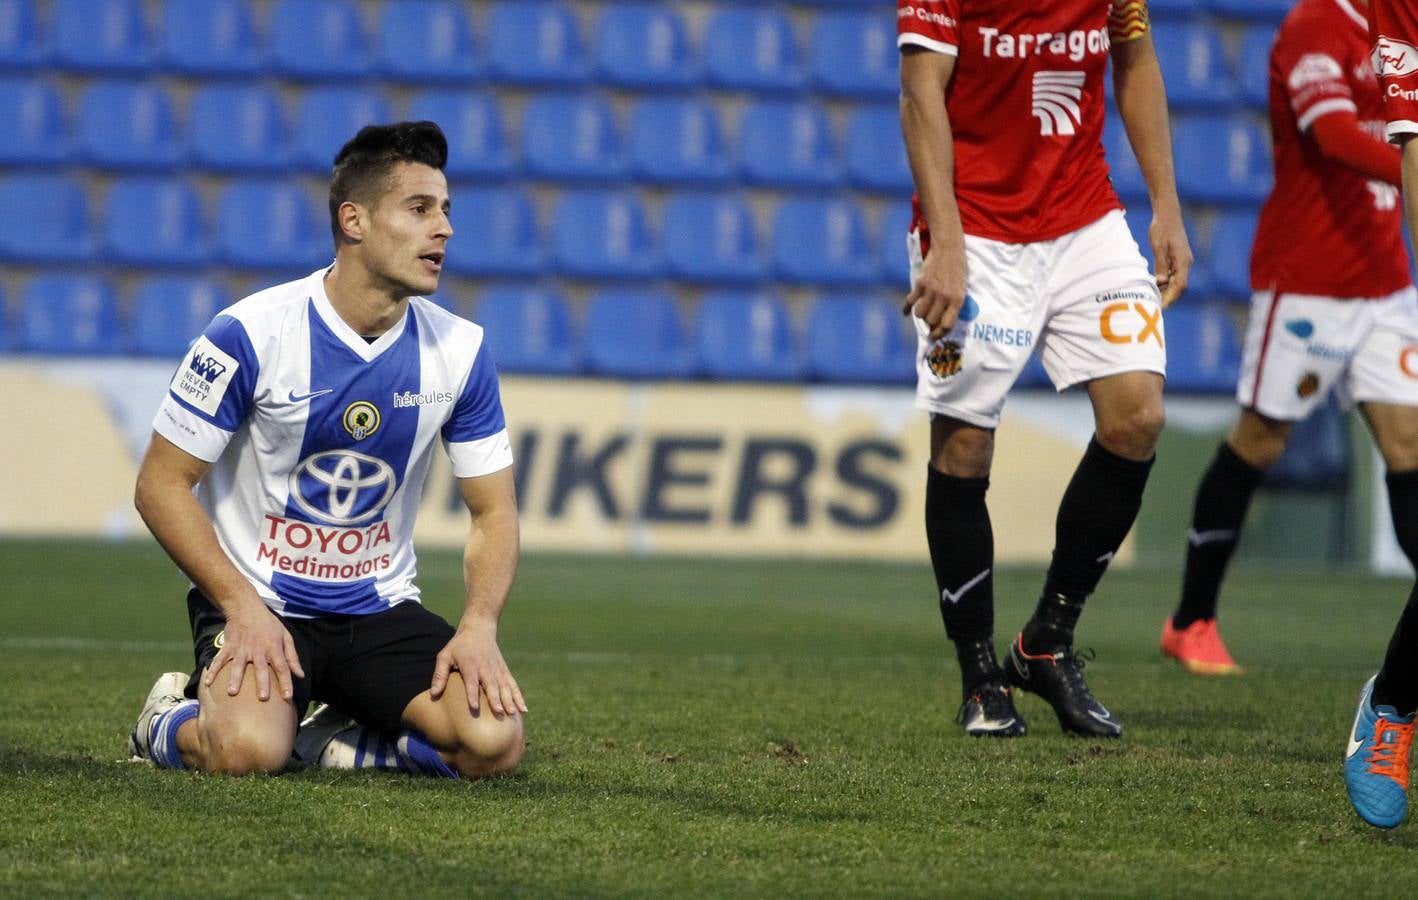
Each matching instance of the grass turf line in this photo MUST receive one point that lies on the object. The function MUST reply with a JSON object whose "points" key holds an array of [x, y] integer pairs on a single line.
{"points": [[703, 728]]}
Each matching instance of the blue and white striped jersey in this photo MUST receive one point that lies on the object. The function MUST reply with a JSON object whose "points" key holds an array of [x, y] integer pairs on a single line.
{"points": [[320, 440]]}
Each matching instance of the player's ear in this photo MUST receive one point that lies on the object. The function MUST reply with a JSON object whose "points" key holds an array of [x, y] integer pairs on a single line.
{"points": [[353, 219]]}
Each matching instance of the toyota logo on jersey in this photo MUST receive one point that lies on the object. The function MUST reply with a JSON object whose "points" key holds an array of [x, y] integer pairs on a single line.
{"points": [[342, 487]]}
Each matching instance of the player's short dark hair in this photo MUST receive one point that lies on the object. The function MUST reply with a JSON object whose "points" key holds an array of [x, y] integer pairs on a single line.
{"points": [[364, 164]]}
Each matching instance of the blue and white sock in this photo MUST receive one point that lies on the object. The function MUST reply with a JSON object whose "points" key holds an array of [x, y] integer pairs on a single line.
{"points": [[162, 739], [363, 748]]}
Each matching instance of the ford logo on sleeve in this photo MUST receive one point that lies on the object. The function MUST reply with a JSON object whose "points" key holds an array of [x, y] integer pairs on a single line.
{"points": [[342, 487]]}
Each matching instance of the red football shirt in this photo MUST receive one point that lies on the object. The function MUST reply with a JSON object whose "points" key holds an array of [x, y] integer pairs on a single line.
{"points": [[1394, 36], [1325, 229], [1026, 108]]}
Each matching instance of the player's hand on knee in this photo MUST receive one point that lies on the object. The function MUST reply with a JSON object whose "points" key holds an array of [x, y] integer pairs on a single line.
{"points": [[939, 291], [254, 636], [473, 651], [1173, 253]]}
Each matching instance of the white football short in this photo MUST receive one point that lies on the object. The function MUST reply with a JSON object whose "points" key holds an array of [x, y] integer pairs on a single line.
{"points": [[1299, 347], [1085, 302]]}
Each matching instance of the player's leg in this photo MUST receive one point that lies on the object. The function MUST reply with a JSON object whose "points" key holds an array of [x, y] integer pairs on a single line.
{"points": [[184, 724], [1104, 331], [381, 679], [1223, 497], [961, 380]]}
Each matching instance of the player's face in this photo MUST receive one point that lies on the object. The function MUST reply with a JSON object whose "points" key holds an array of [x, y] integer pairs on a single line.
{"points": [[409, 230]]}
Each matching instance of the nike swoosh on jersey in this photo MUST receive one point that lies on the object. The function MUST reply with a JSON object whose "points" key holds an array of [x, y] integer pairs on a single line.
{"points": [[301, 398]]}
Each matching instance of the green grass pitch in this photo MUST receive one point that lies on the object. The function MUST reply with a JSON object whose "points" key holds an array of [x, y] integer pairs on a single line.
{"points": [[719, 728]]}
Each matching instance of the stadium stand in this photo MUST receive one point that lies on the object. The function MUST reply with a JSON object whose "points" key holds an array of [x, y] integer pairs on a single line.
{"points": [[155, 222], [427, 41], [35, 125], [530, 330], [636, 333], [207, 38], [712, 238], [170, 310], [69, 314], [1203, 349], [854, 337], [127, 125], [715, 146], [746, 336]]}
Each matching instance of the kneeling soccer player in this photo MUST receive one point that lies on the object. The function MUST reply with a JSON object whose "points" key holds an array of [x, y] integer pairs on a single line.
{"points": [[305, 418]]}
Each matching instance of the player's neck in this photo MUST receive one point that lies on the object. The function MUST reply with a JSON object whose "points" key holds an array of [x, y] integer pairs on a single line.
{"points": [[366, 305]]}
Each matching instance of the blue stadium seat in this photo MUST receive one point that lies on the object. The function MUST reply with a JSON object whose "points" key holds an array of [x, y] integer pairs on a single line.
{"points": [[895, 265], [854, 54], [128, 124], [573, 137], [644, 46], [636, 333], [1194, 64], [876, 155], [318, 39], [1317, 455], [530, 331], [494, 232], [746, 335], [535, 43], [1174, 8], [237, 127], [1230, 253], [603, 234], [1254, 77], [169, 312], [328, 117], [7, 331], [1122, 164], [860, 338], [35, 132], [789, 144], [46, 220], [101, 35], [1266, 10], [1203, 349], [711, 238], [1033, 375], [1221, 159], [678, 141], [472, 121], [211, 37], [1139, 223], [22, 42], [68, 314], [271, 225], [823, 242], [427, 41], [752, 50], [155, 222]]}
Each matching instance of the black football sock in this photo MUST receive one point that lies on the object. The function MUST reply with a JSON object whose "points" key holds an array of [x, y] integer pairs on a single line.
{"points": [[1222, 499], [962, 546], [1098, 508], [1397, 684]]}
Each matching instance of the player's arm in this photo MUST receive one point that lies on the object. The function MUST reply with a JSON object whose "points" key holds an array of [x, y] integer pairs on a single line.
{"points": [[939, 290], [489, 564], [1339, 138], [1142, 104], [1410, 182], [254, 635]]}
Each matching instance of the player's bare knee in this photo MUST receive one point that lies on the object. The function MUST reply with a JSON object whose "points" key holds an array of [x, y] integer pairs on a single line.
{"points": [[240, 751], [1134, 433], [489, 746]]}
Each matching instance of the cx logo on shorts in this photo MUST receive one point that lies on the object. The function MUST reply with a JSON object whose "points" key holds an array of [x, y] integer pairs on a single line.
{"points": [[1150, 330], [1408, 360], [342, 487]]}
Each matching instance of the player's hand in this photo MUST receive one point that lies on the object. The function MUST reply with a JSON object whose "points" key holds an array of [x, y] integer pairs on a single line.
{"points": [[473, 651], [1173, 253], [254, 636], [939, 291]]}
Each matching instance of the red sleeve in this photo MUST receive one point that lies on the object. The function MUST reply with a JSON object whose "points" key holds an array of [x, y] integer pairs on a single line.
{"points": [[1393, 28], [1340, 138], [1310, 72], [932, 24]]}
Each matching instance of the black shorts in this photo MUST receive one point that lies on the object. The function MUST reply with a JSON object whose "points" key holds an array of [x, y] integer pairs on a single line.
{"points": [[368, 667]]}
